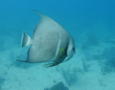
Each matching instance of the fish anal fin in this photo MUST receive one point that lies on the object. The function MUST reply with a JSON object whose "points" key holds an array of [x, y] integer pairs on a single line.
{"points": [[55, 62], [52, 64]]}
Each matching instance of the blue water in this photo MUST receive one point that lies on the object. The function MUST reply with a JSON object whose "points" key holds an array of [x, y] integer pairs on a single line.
{"points": [[90, 22]]}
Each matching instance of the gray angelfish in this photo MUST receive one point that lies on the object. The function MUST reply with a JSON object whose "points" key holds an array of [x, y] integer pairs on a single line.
{"points": [[50, 43]]}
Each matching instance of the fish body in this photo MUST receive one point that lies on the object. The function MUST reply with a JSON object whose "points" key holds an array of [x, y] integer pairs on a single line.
{"points": [[50, 42]]}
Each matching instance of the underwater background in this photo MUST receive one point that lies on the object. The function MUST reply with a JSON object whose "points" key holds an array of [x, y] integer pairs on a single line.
{"points": [[90, 22]]}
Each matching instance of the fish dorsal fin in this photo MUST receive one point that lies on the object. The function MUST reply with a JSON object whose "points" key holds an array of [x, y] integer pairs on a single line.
{"points": [[39, 14], [26, 40], [47, 23], [43, 17]]}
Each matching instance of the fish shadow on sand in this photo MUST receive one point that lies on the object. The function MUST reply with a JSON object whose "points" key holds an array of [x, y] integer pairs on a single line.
{"points": [[69, 75], [58, 86]]}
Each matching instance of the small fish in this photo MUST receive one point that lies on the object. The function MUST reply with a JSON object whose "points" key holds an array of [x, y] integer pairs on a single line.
{"points": [[50, 43]]}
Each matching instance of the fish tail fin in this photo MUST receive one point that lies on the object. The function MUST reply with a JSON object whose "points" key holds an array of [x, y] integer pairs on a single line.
{"points": [[26, 40]]}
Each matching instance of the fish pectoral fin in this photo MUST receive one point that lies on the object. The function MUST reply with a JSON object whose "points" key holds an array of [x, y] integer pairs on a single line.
{"points": [[26, 40]]}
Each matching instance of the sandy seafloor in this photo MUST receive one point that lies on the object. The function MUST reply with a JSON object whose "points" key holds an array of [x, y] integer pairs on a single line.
{"points": [[91, 23]]}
